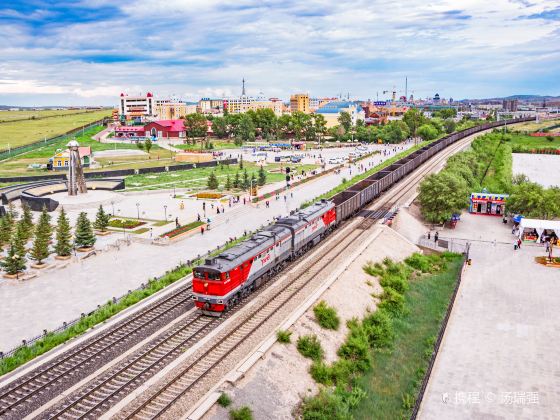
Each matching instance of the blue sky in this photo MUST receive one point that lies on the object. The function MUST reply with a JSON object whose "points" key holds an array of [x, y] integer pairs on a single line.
{"points": [[88, 51]]}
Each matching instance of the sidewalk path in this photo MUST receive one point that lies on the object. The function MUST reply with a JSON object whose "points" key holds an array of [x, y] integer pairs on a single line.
{"points": [[62, 295]]}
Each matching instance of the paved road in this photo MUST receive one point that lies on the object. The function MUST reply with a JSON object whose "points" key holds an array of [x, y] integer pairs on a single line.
{"points": [[499, 358], [61, 295]]}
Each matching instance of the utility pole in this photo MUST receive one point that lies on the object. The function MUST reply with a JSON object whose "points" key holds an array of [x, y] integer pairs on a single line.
{"points": [[406, 88]]}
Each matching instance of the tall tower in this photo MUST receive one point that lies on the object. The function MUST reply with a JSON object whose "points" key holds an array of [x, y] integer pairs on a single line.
{"points": [[76, 180], [243, 89]]}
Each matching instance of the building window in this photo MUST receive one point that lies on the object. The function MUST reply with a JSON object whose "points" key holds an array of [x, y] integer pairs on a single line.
{"points": [[59, 163], [65, 163]]}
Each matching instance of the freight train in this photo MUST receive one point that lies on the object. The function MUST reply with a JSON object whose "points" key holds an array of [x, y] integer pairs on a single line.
{"points": [[224, 279]]}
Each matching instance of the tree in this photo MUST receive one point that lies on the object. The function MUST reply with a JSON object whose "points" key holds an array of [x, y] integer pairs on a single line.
{"points": [[5, 231], [236, 181], [148, 145], [241, 162], [43, 233], [262, 176], [101, 220], [300, 124], [83, 234], [213, 183], [266, 121], [284, 126], [12, 212], [140, 145], [27, 222], [345, 120], [246, 181], [413, 118], [196, 126], [320, 125], [227, 185], [63, 245], [220, 127], [14, 262], [550, 138], [246, 130], [449, 125], [442, 195], [427, 132]]}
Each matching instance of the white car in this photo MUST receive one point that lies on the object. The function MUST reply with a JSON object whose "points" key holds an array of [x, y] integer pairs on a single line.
{"points": [[335, 161]]}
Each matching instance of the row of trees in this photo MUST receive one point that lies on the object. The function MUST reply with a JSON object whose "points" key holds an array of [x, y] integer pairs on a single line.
{"points": [[533, 200], [263, 123], [18, 237], [240, 182]]}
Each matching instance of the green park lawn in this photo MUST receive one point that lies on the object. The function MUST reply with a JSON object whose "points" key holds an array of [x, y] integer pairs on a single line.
{"points": [[24, 131], [198, 178], [530, 126]]}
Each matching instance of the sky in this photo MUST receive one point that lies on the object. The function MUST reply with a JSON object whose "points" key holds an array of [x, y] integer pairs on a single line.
{"points": [[86, 52]]}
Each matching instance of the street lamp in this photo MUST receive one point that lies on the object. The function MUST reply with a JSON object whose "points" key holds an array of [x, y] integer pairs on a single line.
{"points": [[138, 210], [165, 210], [113, 205]]}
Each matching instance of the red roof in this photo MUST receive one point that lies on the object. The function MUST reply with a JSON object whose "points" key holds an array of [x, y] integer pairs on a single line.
{"points": [[84, 151], [170, 125]]}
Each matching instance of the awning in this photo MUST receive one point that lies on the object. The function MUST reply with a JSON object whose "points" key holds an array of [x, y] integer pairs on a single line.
{"points": [[539, 225]]}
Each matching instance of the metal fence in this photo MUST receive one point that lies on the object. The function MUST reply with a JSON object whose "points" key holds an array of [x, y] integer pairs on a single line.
{"points": [[444, 244], [439, 340]]}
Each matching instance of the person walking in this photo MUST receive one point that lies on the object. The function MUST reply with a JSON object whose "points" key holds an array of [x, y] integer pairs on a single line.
{"points": [[429, 234], [436, 236], [176, 222], [515, 245], [202, 230], [547, 244], [519, 243], [198, 217]]}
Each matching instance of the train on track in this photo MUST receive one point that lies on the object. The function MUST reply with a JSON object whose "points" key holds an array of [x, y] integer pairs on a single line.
{"points": [[224, 279]]}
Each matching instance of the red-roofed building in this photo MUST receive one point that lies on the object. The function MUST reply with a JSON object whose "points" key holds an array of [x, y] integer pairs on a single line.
{"points": [[129, 131], [165, 129]]}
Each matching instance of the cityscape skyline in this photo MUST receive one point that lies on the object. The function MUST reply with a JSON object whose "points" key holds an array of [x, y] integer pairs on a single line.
{"points": [[86, 53]]}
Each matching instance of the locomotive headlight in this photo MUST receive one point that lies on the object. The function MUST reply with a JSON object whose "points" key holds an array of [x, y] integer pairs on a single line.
{"points": [[206, 285]]}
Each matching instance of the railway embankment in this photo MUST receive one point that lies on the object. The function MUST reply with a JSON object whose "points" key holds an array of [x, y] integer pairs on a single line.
{"points": [[279, 379]]}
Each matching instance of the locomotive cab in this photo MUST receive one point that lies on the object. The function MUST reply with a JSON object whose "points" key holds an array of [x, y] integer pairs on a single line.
{"points": [[207, 286]]}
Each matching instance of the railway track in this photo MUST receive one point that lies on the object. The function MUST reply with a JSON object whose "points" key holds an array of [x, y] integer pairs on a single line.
{"points": [[183, 380], [17, 397], [113, 385]]}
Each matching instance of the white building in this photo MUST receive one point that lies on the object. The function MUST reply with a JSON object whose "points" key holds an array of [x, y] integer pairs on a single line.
{"points": [[137, 106]]}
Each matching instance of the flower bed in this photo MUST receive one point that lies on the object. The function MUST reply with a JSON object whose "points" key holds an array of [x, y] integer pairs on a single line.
{"points": [[182, 229], [125, 223], [208, 195]]}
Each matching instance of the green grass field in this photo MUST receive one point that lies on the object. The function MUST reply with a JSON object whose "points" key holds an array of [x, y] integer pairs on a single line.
{"points": [[524, 141], [531, 126], [393, 381], [25, 131], [197, 178], [218, 145], [28, 114]]}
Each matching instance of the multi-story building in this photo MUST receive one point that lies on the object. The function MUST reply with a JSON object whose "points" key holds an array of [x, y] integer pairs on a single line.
{"points": [[300, 102], [510, 105], [136, 106], [246, 103], [211, 106], [170, 109]]}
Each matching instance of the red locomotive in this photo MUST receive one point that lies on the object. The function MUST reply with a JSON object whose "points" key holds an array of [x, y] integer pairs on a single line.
{"points": [[224, 279]]}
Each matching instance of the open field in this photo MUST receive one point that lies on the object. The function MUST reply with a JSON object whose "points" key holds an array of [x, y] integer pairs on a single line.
{"points": [[18, 133], [534, 126], [218, 145], [28, 114]]}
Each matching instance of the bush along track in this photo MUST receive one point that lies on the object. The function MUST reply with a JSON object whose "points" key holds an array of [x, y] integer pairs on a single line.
{"points": [[382, 363], [103, 313]]}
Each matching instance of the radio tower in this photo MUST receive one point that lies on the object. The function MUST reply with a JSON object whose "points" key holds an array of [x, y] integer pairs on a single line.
{"points": [[76, 180]]}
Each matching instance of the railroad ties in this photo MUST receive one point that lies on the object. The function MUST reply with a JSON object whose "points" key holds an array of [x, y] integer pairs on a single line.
{"points": [[371, 216], [16, 398]]}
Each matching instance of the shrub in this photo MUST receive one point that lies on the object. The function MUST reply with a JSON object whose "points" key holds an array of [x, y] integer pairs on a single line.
{"points": [[398, 283], [392, 301], [356, 349], [327, 405], [326, 316], [321, 373], [283, 336], [224, 400], [242, 413], [373, 269], [309, 346], [378, 329]]}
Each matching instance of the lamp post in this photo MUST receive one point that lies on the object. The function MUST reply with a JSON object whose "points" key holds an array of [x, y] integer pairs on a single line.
{"points": [[113, 205], [165, 210], [138, 210]]}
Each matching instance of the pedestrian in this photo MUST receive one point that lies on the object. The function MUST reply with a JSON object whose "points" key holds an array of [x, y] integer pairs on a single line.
{"points": [[547, 244], [176, 222], [519, 243], [217, 210], [267, 204], [436, 236], [243, 200], [198, 217], [202, 230], [429, 234], [204, 206], [515, 245], [292, 195], [212, 205]]}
